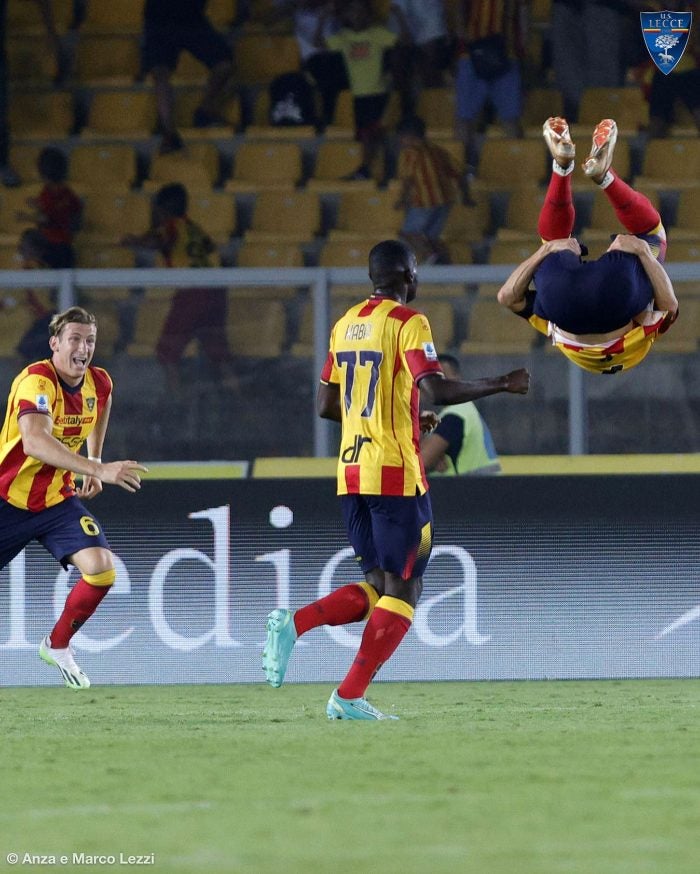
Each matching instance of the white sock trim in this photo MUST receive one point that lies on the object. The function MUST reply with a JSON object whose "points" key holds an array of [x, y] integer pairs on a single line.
{"points": [[608, 179], [562, 171]]}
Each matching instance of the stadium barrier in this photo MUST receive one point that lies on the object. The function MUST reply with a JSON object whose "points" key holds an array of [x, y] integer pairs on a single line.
{"points": [[530, 578]]}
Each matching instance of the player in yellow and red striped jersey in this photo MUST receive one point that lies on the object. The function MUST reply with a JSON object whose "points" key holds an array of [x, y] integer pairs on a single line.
{"points": [[381, 361], [55, 407]]}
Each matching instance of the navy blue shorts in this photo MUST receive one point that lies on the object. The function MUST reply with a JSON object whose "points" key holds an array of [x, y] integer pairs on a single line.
{"points": [[591, 297], [162, 44], [63, 530], [389, 532]]}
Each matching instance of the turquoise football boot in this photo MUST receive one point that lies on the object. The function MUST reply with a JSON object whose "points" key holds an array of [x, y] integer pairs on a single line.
{"points": [[352, 708], [281, 637]]}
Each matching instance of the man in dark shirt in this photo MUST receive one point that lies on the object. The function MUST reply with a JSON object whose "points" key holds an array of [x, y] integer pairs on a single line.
{"points": [[173, 26]]}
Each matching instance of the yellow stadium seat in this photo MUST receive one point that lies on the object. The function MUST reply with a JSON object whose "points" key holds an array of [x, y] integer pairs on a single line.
{"points": [[363, 213], [12, 202], [461, 252], [9, 259], [270, 255], [215, 212], [107, 60], [440, 314], [492, 329], [343, 254], [256, 325], [187, 101], [436, 106], [672, 163], [121, 114], [512, 251], [262, 56], [114, 16], [42, 114], [189, 70], [344, 116], [196, 167], [468, 223], [342, 297], [111, 166], [684, 250], [683, 335], [258, 165], [222, 13], [26, 18], [24, 160], [336, 159], [105, 257], [30, 60], [687, 224], [539, 105], [603, 218], [522, 213], [505, 164], [15, 319], [109, 215], [285, 216], [626, 105], [150, 318]]}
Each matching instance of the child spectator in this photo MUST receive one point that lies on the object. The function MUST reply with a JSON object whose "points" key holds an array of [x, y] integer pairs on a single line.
{"points": [[57, 210], [195, 312], [429, 184], [364, 46]]}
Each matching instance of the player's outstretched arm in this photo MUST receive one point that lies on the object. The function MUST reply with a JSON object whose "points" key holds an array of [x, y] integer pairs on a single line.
{"points": [[444, 392], [512, 292], [38, 442]]}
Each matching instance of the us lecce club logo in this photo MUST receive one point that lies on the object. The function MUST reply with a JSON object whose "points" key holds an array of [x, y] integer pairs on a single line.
{"points": [[666, 36]]}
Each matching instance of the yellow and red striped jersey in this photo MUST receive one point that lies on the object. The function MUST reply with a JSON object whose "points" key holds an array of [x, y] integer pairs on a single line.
{"points": [[378, 351], [615, 355], [26, 482], [431, 173]]}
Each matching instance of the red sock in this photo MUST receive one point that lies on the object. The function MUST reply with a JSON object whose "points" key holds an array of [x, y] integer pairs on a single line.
{"points": [[81, 603], [556, 221], [634, 210], [384, 631], [347, 604]]}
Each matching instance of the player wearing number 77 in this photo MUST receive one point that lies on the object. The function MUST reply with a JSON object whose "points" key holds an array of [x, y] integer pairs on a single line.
{"points": [[381, 362], [54, 407]]}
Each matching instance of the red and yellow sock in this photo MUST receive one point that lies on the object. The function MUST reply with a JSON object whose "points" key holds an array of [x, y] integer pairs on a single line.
{"points": [[82, 601], [387, 627], [350, 603]]}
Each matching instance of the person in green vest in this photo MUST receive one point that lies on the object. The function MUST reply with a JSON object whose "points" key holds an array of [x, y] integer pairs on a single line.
{"points": [[461, 443]]}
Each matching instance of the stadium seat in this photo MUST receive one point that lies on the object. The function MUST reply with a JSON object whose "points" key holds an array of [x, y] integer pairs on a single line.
{"points": [[512, 251], [440, 314], [42, 114], [222, 13], [436, 106], [683, 335], [603, 222], [196, 166], [12, 202], [30, 61], [23, 158], [114, 16], [256, 325], [687, 224], [461, 251], [271, 255], [539, 105], [260, 127], [258, 165], [121, 114], [262, 56], [107, 60], [26, 18], [522, 213], [109, 215], [468, 223], [344, 116], [492, 329], [506, 163], [9, 259], [215, 211], [190, 71], [110, 166], [284, 216], [336, 159], [150, 317], [684, 250], [361, 214], [186, 102], [343, 254], [626, 105], [105, 257], [15, 319], [672, 163]]}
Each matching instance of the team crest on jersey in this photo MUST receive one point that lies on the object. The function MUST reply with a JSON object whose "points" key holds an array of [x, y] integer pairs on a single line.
{"points": [[429, 351], [42, 403], [90, 403], [666, 36]]}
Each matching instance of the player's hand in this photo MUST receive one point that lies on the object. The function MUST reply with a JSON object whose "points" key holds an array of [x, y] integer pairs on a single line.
{"points": [[89, 488], [123, 474], [518, 381], [567, 244], [630, 244], [428, 421]]}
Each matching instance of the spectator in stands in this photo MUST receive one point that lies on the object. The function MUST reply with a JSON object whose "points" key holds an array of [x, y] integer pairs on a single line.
{"points": [[429, 184], [364, 47], [588, 46], [326, 68], [173, 26], [57, 210], [461, 443], [427, 51], [34, 344], [490, 44], [196, 313]]}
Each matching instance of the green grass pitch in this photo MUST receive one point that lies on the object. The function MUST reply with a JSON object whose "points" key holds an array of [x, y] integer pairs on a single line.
{"points": [[494, 778]]}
